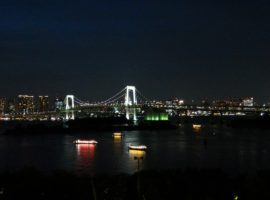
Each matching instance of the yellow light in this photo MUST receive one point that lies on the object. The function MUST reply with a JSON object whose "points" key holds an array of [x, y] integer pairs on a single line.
{"points": [[196, 128], [117, 137], [235, 197], [118, 134], [136, 153]]}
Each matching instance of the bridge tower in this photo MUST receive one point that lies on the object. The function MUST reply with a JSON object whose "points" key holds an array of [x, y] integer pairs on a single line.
{"points": [[130, 101], [69, 102]]}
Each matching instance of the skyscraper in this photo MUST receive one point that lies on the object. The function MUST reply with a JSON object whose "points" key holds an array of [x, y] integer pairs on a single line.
{"points": [[11, 106], [25, 104], [2, 104], [43, 103], [58, 104]]}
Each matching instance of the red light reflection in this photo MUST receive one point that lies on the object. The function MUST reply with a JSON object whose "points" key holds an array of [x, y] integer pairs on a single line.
{"points": [[86, 157], [86, 151]]}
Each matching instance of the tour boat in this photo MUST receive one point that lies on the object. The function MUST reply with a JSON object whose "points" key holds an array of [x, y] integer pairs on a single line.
{"points": [[196, 126], [137, 147], [85, 142]]}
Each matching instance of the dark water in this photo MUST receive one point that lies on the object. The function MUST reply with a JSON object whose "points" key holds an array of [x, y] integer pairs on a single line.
{"points": [[228, 149]]}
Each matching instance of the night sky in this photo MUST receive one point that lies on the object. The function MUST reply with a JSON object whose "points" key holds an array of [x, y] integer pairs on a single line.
{"points": [[191, 49]]}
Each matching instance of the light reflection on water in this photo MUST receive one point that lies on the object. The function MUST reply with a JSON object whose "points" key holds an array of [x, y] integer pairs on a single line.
{"points": [[138, 157], [85, 155], [211, 147]]}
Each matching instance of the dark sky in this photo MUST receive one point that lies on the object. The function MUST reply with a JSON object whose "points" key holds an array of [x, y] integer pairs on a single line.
{"points": [[192, 49]]}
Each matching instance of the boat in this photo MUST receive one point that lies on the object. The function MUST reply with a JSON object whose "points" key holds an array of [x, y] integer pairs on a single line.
{"points": [[85, 142], [137, 147], [118, 134], [197, 126]]}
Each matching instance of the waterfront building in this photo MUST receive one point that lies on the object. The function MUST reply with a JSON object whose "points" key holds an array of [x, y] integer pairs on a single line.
{"points": [[2, 105], [234, 102], [25, 104], [43, 103], [248, 102], [11, 106], [156, 116], [58, 104], [178, 102]]}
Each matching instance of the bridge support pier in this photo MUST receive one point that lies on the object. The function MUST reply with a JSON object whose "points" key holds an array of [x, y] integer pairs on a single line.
{"points": [[70, 115], [131, 114]]}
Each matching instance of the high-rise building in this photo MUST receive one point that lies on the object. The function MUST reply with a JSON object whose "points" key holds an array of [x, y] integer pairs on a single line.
{"points": [[2, 104], [11, 105], [58, 104], [234, 102], [43, 103], [25, 104], [249, 101]]}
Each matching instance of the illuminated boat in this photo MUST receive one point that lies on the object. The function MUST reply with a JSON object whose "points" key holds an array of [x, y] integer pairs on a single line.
{"points": [[85, 142], [118, 134], [137, 147], [197, 126]]}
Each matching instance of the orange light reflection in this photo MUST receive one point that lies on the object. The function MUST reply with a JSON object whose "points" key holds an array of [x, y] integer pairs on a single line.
{"points": [[197, 127], [117, 137]]}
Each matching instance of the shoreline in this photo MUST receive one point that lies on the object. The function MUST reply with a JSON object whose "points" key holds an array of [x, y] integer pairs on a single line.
{"points": [[121, 124], [151, 184]]}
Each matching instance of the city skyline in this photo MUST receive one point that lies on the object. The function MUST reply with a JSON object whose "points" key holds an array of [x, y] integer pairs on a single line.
{"points": [[167, 49], [42, 101], [191, 100], [54, 97]]}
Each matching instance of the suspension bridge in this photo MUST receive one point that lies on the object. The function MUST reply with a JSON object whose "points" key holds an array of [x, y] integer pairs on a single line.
{"points": [[129, 101], [128, 97], [126, 101]]}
